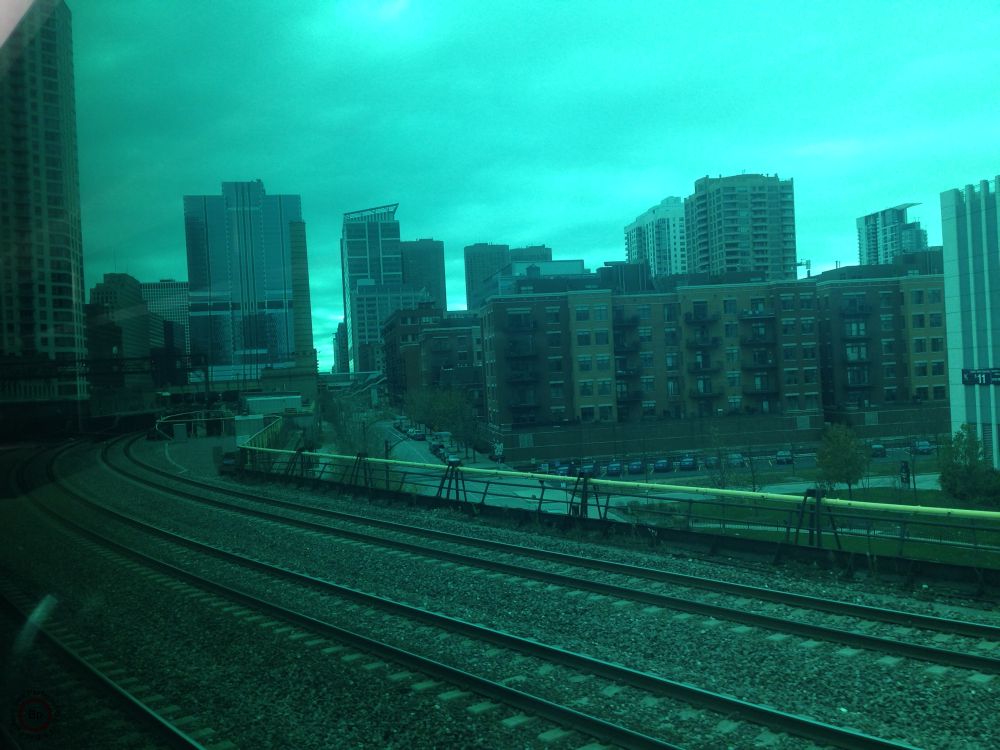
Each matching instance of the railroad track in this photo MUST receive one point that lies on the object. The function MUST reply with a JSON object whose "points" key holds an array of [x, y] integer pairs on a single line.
{"points": [[649, 690], [64, 689], [973, 634]]}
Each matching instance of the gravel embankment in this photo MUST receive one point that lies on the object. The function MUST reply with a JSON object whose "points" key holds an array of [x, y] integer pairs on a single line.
{"points": [[254, 686], [846, 687]]}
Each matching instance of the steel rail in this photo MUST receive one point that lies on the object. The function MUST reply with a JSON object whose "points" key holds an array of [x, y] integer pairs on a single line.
{"points": [[811, 729], [933, 654], [171, 735], [564, 716]]}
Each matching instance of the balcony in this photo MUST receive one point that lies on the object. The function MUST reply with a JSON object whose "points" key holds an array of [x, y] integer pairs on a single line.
{"points": [[626, 321], [628, 396], [761, 391], [703, 368], [703, 342], [859, 333], [696, 394], [523, 405], [521, 352], [859, 309], [761, 364], [760, 313], [758, 341], [700, 318], [522, 376], [627, 346], [520, 326], [630, 372]]}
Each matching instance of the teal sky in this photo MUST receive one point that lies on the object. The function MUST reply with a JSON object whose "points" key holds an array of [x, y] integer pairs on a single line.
{"points": [[521, 122]]}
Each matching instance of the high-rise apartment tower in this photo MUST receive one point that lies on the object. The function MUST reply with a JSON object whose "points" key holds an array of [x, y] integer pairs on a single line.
{"points": [[742, 223], [657, 239], [886, 234], [42, 325]]}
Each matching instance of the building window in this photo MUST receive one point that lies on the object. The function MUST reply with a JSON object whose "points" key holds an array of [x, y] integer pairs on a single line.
{"points": [[808, 325], [601, 338], [889, 393], [555, 364], [553, 338], [857, 375], [733, 378], [889, 371], [787, 326], [887, 322], [809, 375], [643, 312], [791, 377], [854, 328], [885, 300], [888, 346], [584, 363], [646, 360], [856, 352], [583, 338], [792, 402], [918, 320], [600, 312], [555, 390], [586, 387], [787, 302], [735, 402], [731, 330], [934, 320], [729, 306], [645, 334], [934, 296], [939, 393], [605, 413], [937, 344], [920, 369], [919, 345], [647, 384], [673, 387], [937, 368], [582, 313], [586, 413], [789, 352], [917, 297], [670, 312], [812, 402], [809, 351], [807, 302], [603, 362], [603, 387], [672, 359], [551, 314], [921, 393], [670, 337]]}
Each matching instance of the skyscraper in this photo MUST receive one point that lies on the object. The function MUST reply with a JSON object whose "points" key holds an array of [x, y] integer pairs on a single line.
{"points": [[885, 234], [423, 267], [42, 325], [969, 228], [169, 299], [245, 251], [483, 261], [381, 275], [656, 238], [742, 223]]}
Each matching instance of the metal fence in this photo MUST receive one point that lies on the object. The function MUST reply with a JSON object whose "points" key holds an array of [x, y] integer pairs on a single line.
{"points": [[958, 536]]}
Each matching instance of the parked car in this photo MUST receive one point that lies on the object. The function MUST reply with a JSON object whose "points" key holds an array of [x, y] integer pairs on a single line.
{"points": [[711, 462], [542, 468], [561, 471], [587, 469], [923, 447], [417, 435], [735, 460], [784, 457], [636, 467], [662, 465], [687, 463], [878, 450], [613, 469]]}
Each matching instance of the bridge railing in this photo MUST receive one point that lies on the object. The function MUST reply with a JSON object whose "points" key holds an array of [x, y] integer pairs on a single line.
{"points": [[961, 536]]}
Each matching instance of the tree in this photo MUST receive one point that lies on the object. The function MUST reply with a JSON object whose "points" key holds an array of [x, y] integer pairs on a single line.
{"points": [[841, 457], [965, 473]]}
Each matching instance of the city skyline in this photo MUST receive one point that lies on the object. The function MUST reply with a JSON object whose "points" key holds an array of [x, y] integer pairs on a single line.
{"points": [[541, 144]]}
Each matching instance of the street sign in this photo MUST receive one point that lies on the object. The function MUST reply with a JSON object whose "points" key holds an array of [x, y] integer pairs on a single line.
{"points": [[990, 376]]}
